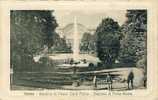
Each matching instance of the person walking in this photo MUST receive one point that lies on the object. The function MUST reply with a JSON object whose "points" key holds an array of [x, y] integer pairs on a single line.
{"points": [[95, 81], [109, 81], [144, 80], [130, 79]]}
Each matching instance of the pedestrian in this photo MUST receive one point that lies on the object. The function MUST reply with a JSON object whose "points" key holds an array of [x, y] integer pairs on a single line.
{"points": [[95, 81], [144, 80], [130, 79], [109, 81]]}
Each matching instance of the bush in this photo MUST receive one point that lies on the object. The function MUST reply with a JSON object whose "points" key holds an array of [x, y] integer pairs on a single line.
{"points": [[91, 66]]}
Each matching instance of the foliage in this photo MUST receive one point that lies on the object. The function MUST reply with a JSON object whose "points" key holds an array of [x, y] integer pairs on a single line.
{"points": [[87, 43], [60, 45], [30, 31], [142, 63], [133, 45], [108, 41]]}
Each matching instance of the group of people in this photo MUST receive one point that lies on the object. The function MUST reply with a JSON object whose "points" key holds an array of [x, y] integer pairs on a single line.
{"points": [[109, 81]]}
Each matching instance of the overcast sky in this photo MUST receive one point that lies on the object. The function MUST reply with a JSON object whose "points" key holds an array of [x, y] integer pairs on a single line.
{"points": [[89, 18]]}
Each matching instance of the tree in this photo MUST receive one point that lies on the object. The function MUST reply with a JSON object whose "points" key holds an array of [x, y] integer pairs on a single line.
{"points": [[60, 45], [87, 43], [108, 41], [133, 45], [31, 31]]}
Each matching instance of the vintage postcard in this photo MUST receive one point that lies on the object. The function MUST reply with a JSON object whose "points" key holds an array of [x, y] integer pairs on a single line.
{"points": [[84, 50]]}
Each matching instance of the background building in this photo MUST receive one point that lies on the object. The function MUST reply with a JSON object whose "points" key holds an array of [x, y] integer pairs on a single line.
{"points": [[68, 31]]}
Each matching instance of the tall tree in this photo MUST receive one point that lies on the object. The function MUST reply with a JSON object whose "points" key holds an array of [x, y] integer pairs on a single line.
{"points": [[108, 41], [31, 31], [133, 45]]}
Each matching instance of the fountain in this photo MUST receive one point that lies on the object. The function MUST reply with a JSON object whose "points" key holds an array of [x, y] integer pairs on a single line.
{"points": [[76, 59], [74, 62], [69, 60]]}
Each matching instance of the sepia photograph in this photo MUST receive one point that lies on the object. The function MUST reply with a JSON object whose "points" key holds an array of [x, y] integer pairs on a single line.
{"points": [[78, 49]]}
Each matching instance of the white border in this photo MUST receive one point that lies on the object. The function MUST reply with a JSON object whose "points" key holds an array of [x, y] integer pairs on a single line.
{"points": [[50, 5]]}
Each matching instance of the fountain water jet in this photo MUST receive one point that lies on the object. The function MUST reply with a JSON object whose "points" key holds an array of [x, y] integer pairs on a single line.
{"points": [[76, 41]]}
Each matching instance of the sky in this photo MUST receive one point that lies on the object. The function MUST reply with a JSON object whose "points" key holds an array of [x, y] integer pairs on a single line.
{"points": [[89, 18]]}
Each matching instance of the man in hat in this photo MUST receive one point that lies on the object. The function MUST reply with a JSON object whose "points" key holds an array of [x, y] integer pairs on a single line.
{"points": [[130, 79]]}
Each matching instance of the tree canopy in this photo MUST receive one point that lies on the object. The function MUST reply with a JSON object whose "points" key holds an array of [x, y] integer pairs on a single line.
{"points": [[31, 31], [108, 41], [133, 45]]}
